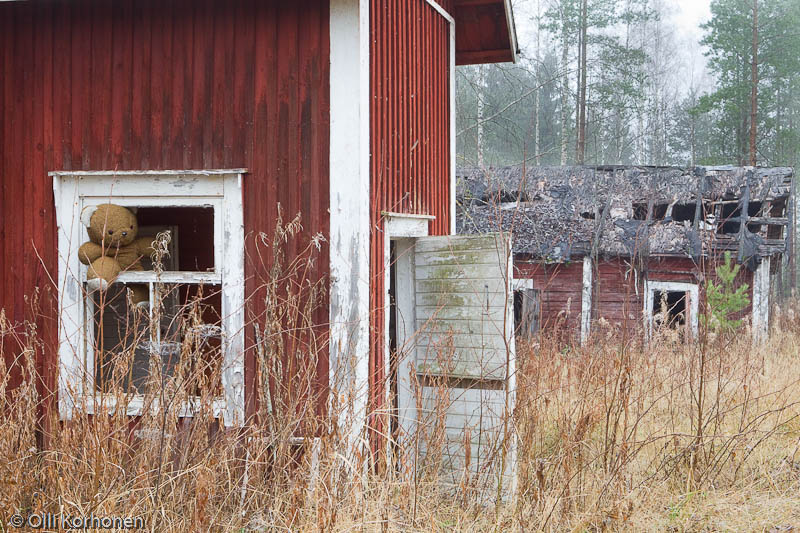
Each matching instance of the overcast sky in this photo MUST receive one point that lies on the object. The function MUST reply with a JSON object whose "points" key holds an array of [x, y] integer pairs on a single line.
{"points": [[688, 16]]}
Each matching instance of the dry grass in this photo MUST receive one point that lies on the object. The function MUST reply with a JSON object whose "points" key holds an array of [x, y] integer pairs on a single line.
{"points": [[608, 440], [611, 436]]}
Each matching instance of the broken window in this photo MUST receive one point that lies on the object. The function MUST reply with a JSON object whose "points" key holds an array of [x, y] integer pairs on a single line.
{"points": [[640, 211], [754, 210], [729, 218], [188, 326], [671, 304], [669, 309], [777, 210], [683, 212]]}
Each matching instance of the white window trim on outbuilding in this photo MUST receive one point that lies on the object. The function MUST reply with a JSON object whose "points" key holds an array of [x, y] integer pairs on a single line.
{"points": [[220, 189], [692, 307]]}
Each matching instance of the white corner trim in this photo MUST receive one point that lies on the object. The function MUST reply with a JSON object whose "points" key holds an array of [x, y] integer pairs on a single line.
{"points": [[442, 11], [349, 213], [671, 286], [586, 299], [760, 312]]}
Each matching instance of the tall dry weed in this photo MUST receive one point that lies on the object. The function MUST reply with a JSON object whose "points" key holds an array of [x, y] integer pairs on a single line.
{"points": [[614, 435]]}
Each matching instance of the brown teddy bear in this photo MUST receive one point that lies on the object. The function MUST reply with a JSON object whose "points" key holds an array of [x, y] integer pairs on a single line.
{"points": [[113, 247]]}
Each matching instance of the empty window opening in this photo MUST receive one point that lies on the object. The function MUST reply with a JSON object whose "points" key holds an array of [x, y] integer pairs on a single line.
{"points": [[777, 210], [640, 211], [669, 308], [774, 232], [683, 212], [192, 235], [754, 228], [729, 222], [754, 209]]}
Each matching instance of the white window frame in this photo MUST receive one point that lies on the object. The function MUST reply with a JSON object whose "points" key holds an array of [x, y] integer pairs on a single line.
{"points": [[220, 189], [692, 307]]}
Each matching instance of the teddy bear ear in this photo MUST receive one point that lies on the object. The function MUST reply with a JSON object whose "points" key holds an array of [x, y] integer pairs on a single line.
{"points": [[86, 215], [133, 209]]}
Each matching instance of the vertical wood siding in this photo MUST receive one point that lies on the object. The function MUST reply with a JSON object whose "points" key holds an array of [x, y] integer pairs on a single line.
{"points": [[615, 295], [150, 85], [409, 138], [561, 286]]}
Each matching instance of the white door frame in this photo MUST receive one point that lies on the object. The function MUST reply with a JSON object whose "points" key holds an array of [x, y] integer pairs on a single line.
{"points": [[403, 229]]}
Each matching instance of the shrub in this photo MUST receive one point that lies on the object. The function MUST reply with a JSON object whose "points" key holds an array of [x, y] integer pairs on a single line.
{"points": [[724, 299]]}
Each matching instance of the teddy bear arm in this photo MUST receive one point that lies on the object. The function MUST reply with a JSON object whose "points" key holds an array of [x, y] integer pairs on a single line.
{"points": [[89, 252], [144, 245]]}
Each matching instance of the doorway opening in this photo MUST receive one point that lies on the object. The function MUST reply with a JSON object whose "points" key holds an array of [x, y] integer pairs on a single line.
{"points": [[394, 358]]}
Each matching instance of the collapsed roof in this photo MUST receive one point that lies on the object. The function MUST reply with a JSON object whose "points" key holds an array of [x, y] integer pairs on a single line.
{"points": [[556, 213]]}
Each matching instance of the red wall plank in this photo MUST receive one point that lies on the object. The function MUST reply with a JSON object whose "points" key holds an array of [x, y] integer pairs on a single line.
{"points": [[409, 141]]}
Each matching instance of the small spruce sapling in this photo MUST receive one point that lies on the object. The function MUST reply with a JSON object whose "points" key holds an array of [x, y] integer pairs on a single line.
{"points": [[723, 299]]}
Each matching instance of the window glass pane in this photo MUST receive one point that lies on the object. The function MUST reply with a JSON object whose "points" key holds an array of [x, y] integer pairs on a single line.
{"points": [[181, 336], [121, 341], [191, 334]]}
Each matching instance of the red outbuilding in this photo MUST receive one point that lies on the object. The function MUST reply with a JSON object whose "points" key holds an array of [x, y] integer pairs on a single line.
{"points": [[208, 119]]}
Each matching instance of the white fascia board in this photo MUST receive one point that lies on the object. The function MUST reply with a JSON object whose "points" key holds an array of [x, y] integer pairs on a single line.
{"points": [[404, 225], [520, 284], [114, 173], [512, 30], [349, 212]]}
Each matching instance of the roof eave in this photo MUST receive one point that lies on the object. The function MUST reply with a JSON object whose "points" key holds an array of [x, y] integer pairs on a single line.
{"points": [[503, 49]]}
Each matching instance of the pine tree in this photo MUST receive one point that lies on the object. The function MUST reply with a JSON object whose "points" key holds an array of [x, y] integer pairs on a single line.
{"points": [[724, 299]]}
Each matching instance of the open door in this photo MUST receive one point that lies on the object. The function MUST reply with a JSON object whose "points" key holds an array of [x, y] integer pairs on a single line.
{"points": [[456, 390]]}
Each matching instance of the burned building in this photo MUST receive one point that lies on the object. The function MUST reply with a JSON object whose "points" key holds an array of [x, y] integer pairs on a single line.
{"points": [[627, 246]]}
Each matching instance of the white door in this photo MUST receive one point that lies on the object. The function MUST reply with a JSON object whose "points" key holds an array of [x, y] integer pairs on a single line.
{"points": [[456, 378]]}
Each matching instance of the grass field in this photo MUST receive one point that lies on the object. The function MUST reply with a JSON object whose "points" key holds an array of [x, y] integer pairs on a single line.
{"points": [[611, 436]]}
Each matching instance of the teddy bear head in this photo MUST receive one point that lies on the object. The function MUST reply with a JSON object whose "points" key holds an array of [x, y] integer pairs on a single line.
{"points": [[109, 224]]}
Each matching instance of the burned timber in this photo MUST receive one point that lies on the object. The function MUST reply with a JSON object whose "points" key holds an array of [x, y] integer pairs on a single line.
{"points": [[609, 245]]}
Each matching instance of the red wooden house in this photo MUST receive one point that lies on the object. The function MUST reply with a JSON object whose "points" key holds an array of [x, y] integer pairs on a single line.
{"points": [[206, 116]]}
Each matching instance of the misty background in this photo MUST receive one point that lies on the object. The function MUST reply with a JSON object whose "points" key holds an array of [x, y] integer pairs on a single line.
{"points": [[651, 82]]}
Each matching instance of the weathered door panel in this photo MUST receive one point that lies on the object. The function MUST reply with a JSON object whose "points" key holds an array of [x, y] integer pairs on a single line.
{"points": [[464, 357]]}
